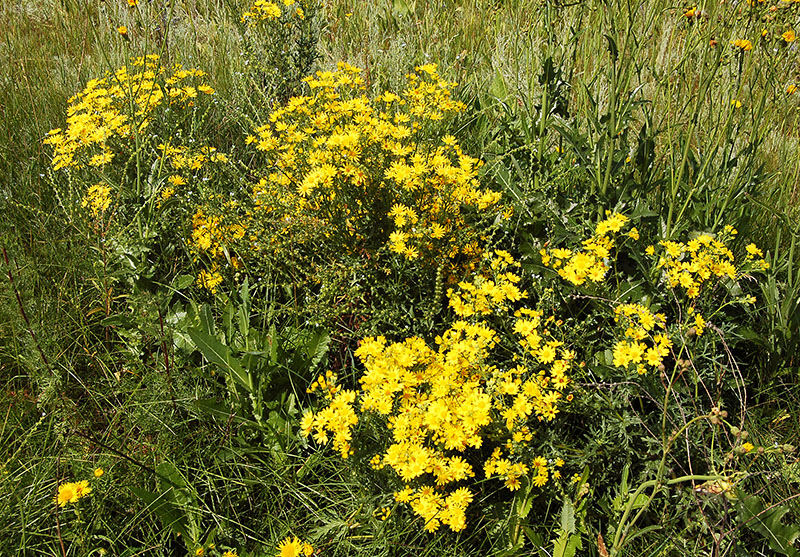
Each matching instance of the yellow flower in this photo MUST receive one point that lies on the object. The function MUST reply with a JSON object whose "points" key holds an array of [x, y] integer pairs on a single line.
{"points": [[200, 552], [132, 3], [71, 492], [747, 447], [209, 280], [744, 44], [791, 89], [789, 36], [736, 103], [98, 472], [97, 199], [122, 30], [230, 554], [291, 546], [66, 494]]}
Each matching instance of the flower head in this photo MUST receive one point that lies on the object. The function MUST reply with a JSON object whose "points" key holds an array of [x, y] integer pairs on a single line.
{"points": [[743, 44], [70, 492], [292, 546]]}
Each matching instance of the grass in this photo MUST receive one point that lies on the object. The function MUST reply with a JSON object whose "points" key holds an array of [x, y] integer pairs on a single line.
{"points": [[634, 93]]}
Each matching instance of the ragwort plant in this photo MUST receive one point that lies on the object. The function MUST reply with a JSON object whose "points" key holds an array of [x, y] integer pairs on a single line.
{"points": [[280, 43], [500, 390], [667, 318], [443, 407], [131, 155], [352, 186]]}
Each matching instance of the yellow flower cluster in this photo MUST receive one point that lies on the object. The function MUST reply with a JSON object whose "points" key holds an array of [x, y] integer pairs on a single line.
{"points": [[591, 262], [209, 279], [364, 169], [264, 10], [338, 419], [292, 546], [97, 199], [436, 508], [325, 383], [210, 235], [743, 44], [512, 472], [641, 345], [101, 113], [181, 157], [261, 10], [483, 295], [71, 492], [692, 264], [440, 402], [547, 352]]}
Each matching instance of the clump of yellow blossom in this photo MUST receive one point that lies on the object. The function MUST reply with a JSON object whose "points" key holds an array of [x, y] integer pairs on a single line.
{"points": [[441, 402], [261, 10], [483, 295], [292, 546], [97, 199], [592, 262], [101, 118], [704, 260], [641, 346], [71, 492], [742, 44], [364, 173], [209, 279]]}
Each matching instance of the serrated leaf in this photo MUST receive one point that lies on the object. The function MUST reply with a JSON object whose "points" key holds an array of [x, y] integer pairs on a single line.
{"points": [[568, 517], [182, 281]]}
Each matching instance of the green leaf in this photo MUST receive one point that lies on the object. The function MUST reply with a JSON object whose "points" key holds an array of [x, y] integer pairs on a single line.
{"points": [[568, 517], [170, 516], [182, 281], [244, 311], [207, 320], [498, 88], [768, 522], [220, 355], [221, 411]]}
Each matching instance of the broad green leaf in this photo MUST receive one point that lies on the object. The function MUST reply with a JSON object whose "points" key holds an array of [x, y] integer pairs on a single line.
{"points": [[220, 355], [170, 516]]}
